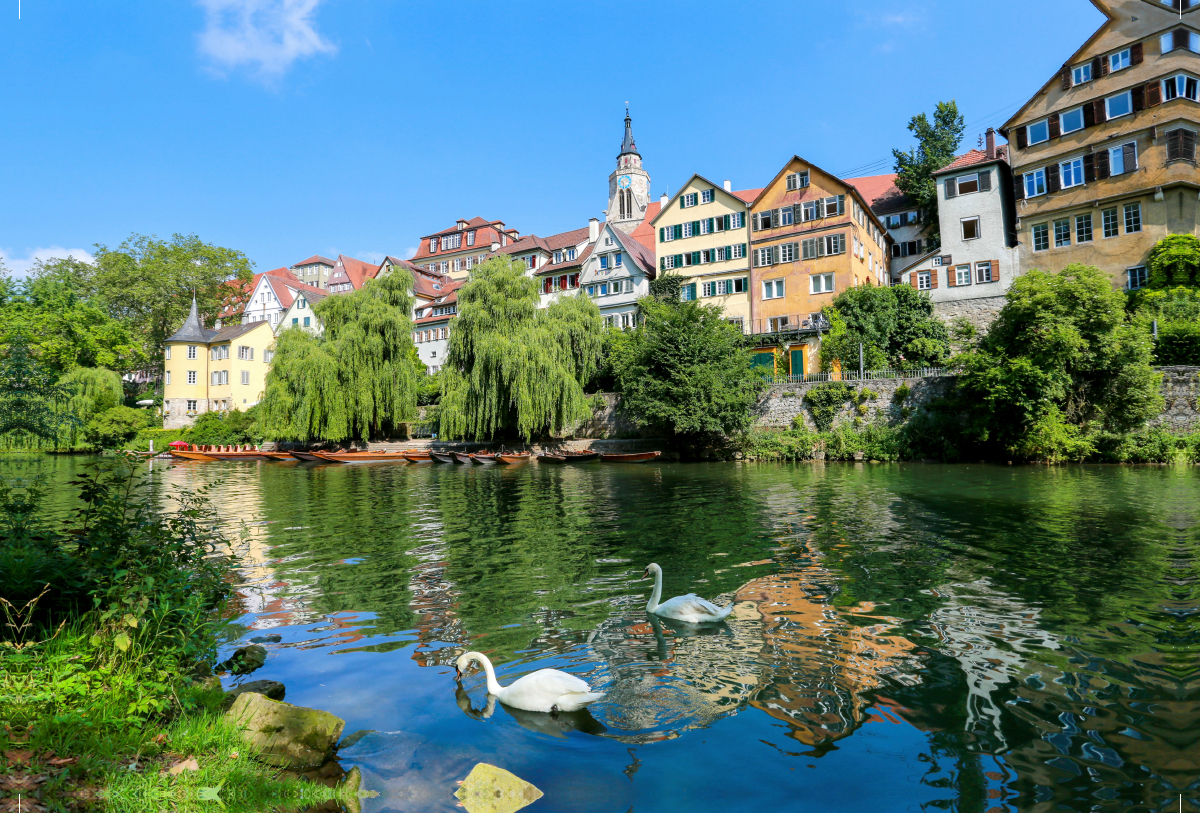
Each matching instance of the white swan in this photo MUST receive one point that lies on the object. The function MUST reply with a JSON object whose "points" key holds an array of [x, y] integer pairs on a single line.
{"points": [[690, 608], [544, 690]]}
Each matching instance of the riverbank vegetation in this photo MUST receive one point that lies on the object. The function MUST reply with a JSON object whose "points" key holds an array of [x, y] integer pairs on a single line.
{"points": [[109, 626]]}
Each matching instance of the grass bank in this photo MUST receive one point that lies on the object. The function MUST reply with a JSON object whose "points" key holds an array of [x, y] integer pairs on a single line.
{"points": [[108, 627]]}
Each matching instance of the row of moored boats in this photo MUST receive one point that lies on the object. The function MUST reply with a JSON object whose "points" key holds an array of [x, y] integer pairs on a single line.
{"points": [[209, 453]]}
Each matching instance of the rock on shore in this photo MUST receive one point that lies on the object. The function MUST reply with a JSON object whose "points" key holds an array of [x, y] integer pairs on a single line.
{"points": [[288, 736]]}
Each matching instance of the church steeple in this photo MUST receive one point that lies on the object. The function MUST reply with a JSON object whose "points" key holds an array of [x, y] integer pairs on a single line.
{"points": [[628, 146], [629, 185]]}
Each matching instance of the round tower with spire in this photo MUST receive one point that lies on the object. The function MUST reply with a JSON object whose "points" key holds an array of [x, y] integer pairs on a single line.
{"points": [[628, 185]]}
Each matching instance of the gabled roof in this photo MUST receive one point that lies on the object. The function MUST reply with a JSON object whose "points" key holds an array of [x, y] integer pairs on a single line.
{"points": [[745, 196], [566, 265], [636, 250], [316, 259], [847, 184], [644, 233], [230, 332], [530, 242], [973, 158], [880, 192], [473, 223], [240, 293], [356, 272], [192, 329]]}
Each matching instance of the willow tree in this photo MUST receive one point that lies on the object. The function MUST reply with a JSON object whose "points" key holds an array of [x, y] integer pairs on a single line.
{"points": [[355, 380], [513, 368]]}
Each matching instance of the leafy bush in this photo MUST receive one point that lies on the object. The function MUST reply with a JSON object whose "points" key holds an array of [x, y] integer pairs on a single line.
{"points": [[115, 427], [766, 444], [901, 393], [825, 401]]}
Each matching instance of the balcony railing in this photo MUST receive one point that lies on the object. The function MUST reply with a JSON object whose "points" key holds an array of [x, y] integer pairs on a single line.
{"points": [[792, 323]]}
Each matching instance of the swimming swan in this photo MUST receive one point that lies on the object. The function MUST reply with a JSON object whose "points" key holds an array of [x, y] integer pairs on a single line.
{"points": [[690, 608], [545, 690]]}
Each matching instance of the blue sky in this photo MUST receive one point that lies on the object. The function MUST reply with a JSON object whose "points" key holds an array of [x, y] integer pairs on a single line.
{"points": [[286, 128]]}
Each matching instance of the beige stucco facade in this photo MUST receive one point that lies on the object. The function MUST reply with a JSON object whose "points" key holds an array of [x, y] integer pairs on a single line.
{"points": [[1110, 109], [701, 235], [219, 371], [300, 314]]}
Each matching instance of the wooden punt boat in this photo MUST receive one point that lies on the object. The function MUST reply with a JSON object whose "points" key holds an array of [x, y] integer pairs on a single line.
{"points": [[442, 457], [237, 455], [515, 457], [413, 456], [638, 457], [580, 457], [191, 455], [363, 457], [309, 457], [551, 458], [463, 457], [486, 458], [278, 455]]}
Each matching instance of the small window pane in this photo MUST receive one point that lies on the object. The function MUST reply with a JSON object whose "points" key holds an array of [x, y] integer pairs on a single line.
{"points": [[1083, 228], [1041, 237], [1062, 233], [1133, 217]]}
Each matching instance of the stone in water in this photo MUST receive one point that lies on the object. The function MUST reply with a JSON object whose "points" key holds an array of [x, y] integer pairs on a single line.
{"points": [[488, 789]]}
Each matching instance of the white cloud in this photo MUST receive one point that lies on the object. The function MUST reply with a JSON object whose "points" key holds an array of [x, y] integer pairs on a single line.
{"points": [[265, 34], [20, 266]]}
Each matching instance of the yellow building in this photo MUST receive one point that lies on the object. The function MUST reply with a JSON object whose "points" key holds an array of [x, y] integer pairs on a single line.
{"points": [[701, 235], [813, 236], [1104, 155], [214, 370]]}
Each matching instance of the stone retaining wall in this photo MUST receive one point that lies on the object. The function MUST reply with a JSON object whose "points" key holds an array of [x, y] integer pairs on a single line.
{"points": [[783, 402], [1181, 391], [979, 312]]}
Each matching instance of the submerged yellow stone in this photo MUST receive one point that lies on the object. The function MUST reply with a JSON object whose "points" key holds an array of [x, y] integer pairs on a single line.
{"points": [[488, 789]]}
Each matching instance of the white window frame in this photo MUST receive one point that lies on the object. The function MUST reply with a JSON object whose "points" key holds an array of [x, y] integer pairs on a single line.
{"points": [[1125, 210], [1137, 272], [245, 378], [1033, 232], [962, 272], [1073, 168], [1188, 82], [963, 227], [706, 196], [974, 176], [192, 377], [1108, 100], [688, 200], [1120, 60], [1029, 132], [167, 353], [991, 271], [924, 280], [191, 353], [1062, 236], [820, 283], [1081, 74], [1062, 120], [1038, 179], [168, 378], [773, 289]]}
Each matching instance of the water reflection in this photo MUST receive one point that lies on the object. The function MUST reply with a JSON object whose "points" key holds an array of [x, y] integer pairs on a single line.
{"points": [[959, 637]]}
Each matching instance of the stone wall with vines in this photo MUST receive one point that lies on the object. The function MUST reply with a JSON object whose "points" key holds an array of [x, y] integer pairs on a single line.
{"points": [[836, 403]]}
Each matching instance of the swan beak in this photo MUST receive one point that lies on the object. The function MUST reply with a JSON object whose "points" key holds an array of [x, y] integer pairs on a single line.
{"points": [[646, 575], [457, 673]]}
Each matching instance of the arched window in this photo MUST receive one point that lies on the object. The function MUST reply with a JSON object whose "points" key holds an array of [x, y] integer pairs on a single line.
{"points": [[621, 202]]}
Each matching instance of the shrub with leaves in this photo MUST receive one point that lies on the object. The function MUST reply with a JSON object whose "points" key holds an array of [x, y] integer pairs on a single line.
{"points": [[825, 401]]}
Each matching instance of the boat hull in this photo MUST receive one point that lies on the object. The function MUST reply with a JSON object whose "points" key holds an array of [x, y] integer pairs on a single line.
{"points": [[417, 457], [551, 458], [463, 457], [640, 457], [237, 455], [191, 456], [441, 457], [581, 457], [485, 459], [363, 457], [512, 459], [308, 457]]}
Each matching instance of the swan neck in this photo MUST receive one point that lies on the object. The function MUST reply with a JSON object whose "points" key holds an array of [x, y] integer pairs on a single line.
{"points": [[652, 605], [493, 685]]}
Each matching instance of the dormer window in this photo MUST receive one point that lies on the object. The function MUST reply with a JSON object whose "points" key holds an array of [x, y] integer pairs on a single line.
{"points": [[432, 244], [558, 257], [570, 254], [530, 261], [470, 238]]}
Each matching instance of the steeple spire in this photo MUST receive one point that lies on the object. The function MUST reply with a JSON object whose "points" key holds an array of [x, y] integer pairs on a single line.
{"points": [[192, 329], [628, 146]]}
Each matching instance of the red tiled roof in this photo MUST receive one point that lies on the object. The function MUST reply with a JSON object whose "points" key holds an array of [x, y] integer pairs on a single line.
{"points": [[644, 233], [637, 250], [565, 265], [283, 290], [879, 191], [486, 232], [316, 258], [356, 272], [972, 157], [236, 300], [747, 195]]}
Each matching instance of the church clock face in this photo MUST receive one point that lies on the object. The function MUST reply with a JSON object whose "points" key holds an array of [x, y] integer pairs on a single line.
{"points": [[624, 182]]}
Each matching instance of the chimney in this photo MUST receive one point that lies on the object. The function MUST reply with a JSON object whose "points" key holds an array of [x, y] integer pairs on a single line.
{"points": [[593, 229], [662, 202], [728, 186], [495, 245], [991, 143]]}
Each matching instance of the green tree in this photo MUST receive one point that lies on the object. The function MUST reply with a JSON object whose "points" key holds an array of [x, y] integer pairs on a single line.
{"points": [[1060, 360], [32, 402], [357, 379], [895, 326], [92, 390], [937, 142], [114, 427], [685, 370], [1177, 312], [1174, 261], [513, 368], [68, 330], [148, 283]]}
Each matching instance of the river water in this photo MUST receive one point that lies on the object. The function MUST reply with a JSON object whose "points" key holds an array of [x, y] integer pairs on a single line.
{"points": [[905, 636]]}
